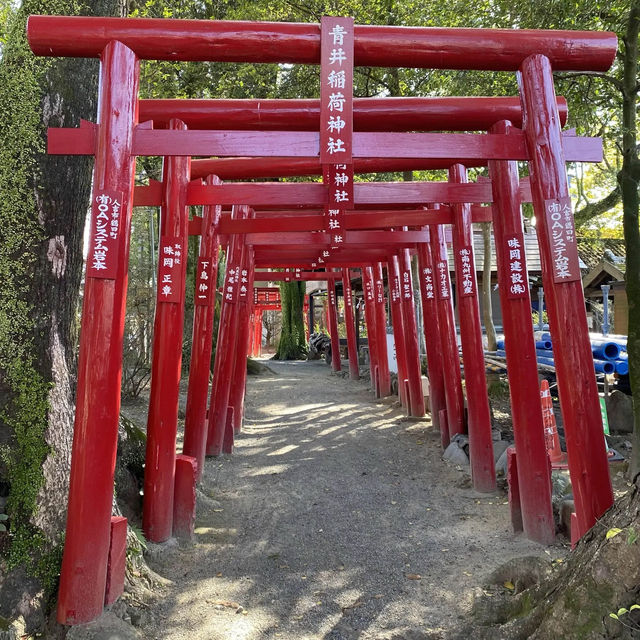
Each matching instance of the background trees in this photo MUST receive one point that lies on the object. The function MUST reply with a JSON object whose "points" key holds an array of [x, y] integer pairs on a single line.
{"points": [[44, 202]]}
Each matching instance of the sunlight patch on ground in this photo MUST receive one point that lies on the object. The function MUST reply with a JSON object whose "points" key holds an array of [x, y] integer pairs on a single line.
{"points": [[326, 432], [288, 409], [266, 471], [284, 450]]}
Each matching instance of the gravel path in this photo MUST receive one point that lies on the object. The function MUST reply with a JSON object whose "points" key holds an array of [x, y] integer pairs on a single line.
{"points": [[334, 519]]}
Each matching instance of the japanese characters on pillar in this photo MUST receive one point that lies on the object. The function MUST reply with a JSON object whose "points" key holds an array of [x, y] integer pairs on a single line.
{"points": [[204, 286], [170, 269], [443, 279], [369, 294], [232, 279], [243, 285], [332, 296], [407, 294], [102, 260], [427, 278], [467, 286], [336, 122], [562, 237], [395, 289], [379, 284], [516, 266]]}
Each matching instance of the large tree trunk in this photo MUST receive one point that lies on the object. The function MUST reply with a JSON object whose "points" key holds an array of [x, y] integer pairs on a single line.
{"points": [[628, 179], [487, 306], [293, 342], [42, 214]]}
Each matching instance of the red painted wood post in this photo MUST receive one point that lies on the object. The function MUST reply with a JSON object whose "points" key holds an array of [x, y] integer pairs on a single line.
{"points": [[184, 503], [373, 337], [258, 333], [398, 330], [447, 325], [116, 566], [245, 300], [414, 368], [195, 424], [588, 465], [432, 336], [483, 473], [84, 563], [227, 334], [162, 421], [332, 312], [235, 356], [533, 471], [381, 324], [352, 350]]}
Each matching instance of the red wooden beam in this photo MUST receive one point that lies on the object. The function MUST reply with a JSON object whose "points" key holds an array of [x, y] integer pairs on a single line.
{"points": [[277, 276], [470, 146], [315, 239], [382, 46], [315, 194], [369, 114], [276, 167]]}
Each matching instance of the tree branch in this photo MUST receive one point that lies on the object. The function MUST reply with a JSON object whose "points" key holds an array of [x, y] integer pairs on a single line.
{"points": [[595, 209], [594, 74]]}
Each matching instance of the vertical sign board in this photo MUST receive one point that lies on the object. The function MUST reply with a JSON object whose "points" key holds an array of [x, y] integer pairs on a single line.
{"points": [[516, 266], [170, 269], [104, 239], [204, 286], [562, 238], [468, 285], [336, 122], [407, 294], [427, 277], [443, 279]]}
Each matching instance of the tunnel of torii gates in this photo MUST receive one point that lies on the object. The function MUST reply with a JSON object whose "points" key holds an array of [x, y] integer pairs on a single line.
{"points": [[336, 226]]}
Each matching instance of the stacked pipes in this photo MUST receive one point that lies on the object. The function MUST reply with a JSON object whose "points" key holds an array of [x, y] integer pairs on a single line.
{"points": [[609, 356]]}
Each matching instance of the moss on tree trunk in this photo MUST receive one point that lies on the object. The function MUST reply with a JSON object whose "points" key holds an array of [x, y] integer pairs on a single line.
{"points": [[293, 342]]}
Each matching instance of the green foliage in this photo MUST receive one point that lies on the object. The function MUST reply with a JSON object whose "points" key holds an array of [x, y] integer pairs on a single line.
{"points": [[293, 344], [23, 391]]}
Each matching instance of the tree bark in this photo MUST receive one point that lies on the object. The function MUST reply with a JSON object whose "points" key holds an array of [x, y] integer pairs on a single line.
{"points": [[293, 343], [487, 307], [628, 179], [42, 217]]}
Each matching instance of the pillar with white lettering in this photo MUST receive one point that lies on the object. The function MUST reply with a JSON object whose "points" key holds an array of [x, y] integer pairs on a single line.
{"points": [[195, 424], [354, 367], [373, 339], [483, 473], [227, 336], [534, 477], [412, 348], [381, 324], [398, 331], [432, 337], [447, 325], [162, 421], [332, 312], [238, 387], [86, 550], [588, 464]]}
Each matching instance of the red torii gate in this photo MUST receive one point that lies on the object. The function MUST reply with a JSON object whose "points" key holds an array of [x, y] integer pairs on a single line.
{"points": [[119, 42]]}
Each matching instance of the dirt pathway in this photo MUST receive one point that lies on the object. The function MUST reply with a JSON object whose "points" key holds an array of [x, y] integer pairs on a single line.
{"points": [[334, 519]]}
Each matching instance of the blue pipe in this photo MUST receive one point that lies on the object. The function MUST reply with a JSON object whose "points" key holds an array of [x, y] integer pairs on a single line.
{"points": [[606, 351], [540, 344], [622, 367], [604, 366]]}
